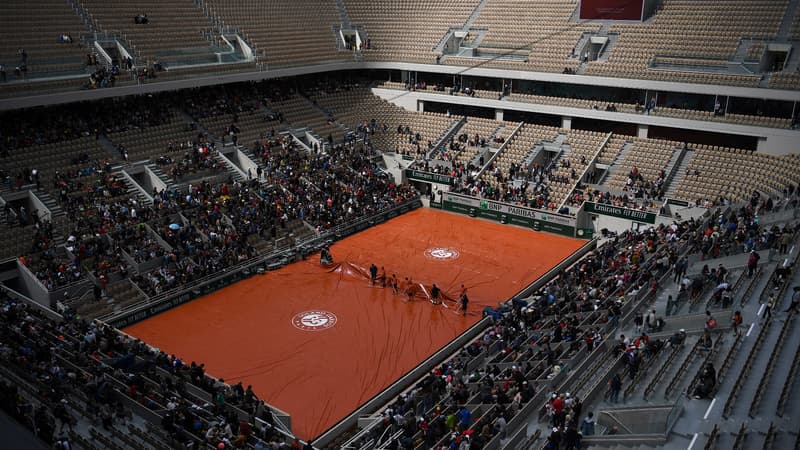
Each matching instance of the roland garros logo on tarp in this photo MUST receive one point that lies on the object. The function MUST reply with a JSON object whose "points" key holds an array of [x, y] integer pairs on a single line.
{"points": [[316, 320], [442, 253]]}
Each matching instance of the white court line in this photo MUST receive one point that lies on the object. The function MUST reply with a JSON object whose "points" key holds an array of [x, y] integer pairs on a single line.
{"points": [[750, 330], [692, 443], [708, 411], [761, 309]]}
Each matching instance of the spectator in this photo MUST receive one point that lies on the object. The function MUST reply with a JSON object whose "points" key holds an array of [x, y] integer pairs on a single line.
{"points": [[587, 425], [615, 386], [736, 321]]}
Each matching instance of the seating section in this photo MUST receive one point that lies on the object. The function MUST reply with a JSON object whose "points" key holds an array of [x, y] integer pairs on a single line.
{"points": [[677, 28], [475, 130], [152, 142], [50, 158], [506, 167], [407, 30], [36, 28], [796, 28], [284, 32], [513, 176], [647, 157], [721, 172], [252, 125], [301, 112], [541, 28], [534, 35], [782, 80], [159, 39], [582, 147], [396, 129], [612, 149]]}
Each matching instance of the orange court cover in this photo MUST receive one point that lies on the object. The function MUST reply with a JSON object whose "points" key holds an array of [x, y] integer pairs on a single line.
{"points": [[317, 342]]}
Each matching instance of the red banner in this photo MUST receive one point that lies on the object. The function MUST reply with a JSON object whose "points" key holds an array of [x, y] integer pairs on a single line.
{"points": [[611, 9]]}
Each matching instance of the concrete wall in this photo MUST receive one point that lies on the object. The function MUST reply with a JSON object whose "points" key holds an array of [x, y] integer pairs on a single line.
{"points": [[215, 79], [33, 288]]}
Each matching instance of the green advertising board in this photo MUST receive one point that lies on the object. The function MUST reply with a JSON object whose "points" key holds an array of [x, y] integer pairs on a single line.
{"points": [[508, 213], [623, 213], [429, 177]]}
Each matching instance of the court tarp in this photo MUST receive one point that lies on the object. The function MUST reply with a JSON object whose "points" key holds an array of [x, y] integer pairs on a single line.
{"points": [[318, 341]]}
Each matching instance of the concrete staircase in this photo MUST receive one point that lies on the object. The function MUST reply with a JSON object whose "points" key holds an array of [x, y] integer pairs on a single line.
{"points": [[344, 18], [614, 167], [679, 173], [52, 205], [481, 33], [234, 172], [474, 16], [673, 163], [109, 147], [134, 190], [156, 170], [442, 142]]}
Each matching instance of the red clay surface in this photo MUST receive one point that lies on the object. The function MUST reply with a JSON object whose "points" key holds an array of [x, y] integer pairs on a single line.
{"points": [[246, 333]]}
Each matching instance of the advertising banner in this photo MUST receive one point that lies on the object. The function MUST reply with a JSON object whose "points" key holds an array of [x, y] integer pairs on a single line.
{"points": [[623, 213], [429, 177], [508, 213], [611, 9]]}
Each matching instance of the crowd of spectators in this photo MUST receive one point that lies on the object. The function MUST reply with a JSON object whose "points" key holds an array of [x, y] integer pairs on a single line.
{"points": [[528, 340], [80, 371], [524, 184], [531, 339], [227, 221], [68, 122], [625, 200]]}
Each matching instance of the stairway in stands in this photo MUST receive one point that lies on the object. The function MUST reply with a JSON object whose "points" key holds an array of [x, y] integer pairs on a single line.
{"points": [[614, 167], [680, 174], [171, 186]]}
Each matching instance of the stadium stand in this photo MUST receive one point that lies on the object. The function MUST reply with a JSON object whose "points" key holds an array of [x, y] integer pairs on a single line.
{"points": [[115, 205], [676, 28], [284, 33], [644, 165], [158, 39], [715, 173], [392, 128], [539, 30], [407, 30], [38, 30]]}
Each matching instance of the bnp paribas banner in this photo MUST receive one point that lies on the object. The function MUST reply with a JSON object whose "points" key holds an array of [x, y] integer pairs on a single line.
{"points": [[508, 213], [623, 213]]}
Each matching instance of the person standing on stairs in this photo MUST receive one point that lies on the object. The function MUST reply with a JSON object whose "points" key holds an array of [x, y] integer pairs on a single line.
{"points": [[768, 309]]}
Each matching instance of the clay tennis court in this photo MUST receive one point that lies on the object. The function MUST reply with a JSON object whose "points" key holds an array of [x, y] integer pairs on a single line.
{"points": [[318, 367]]}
